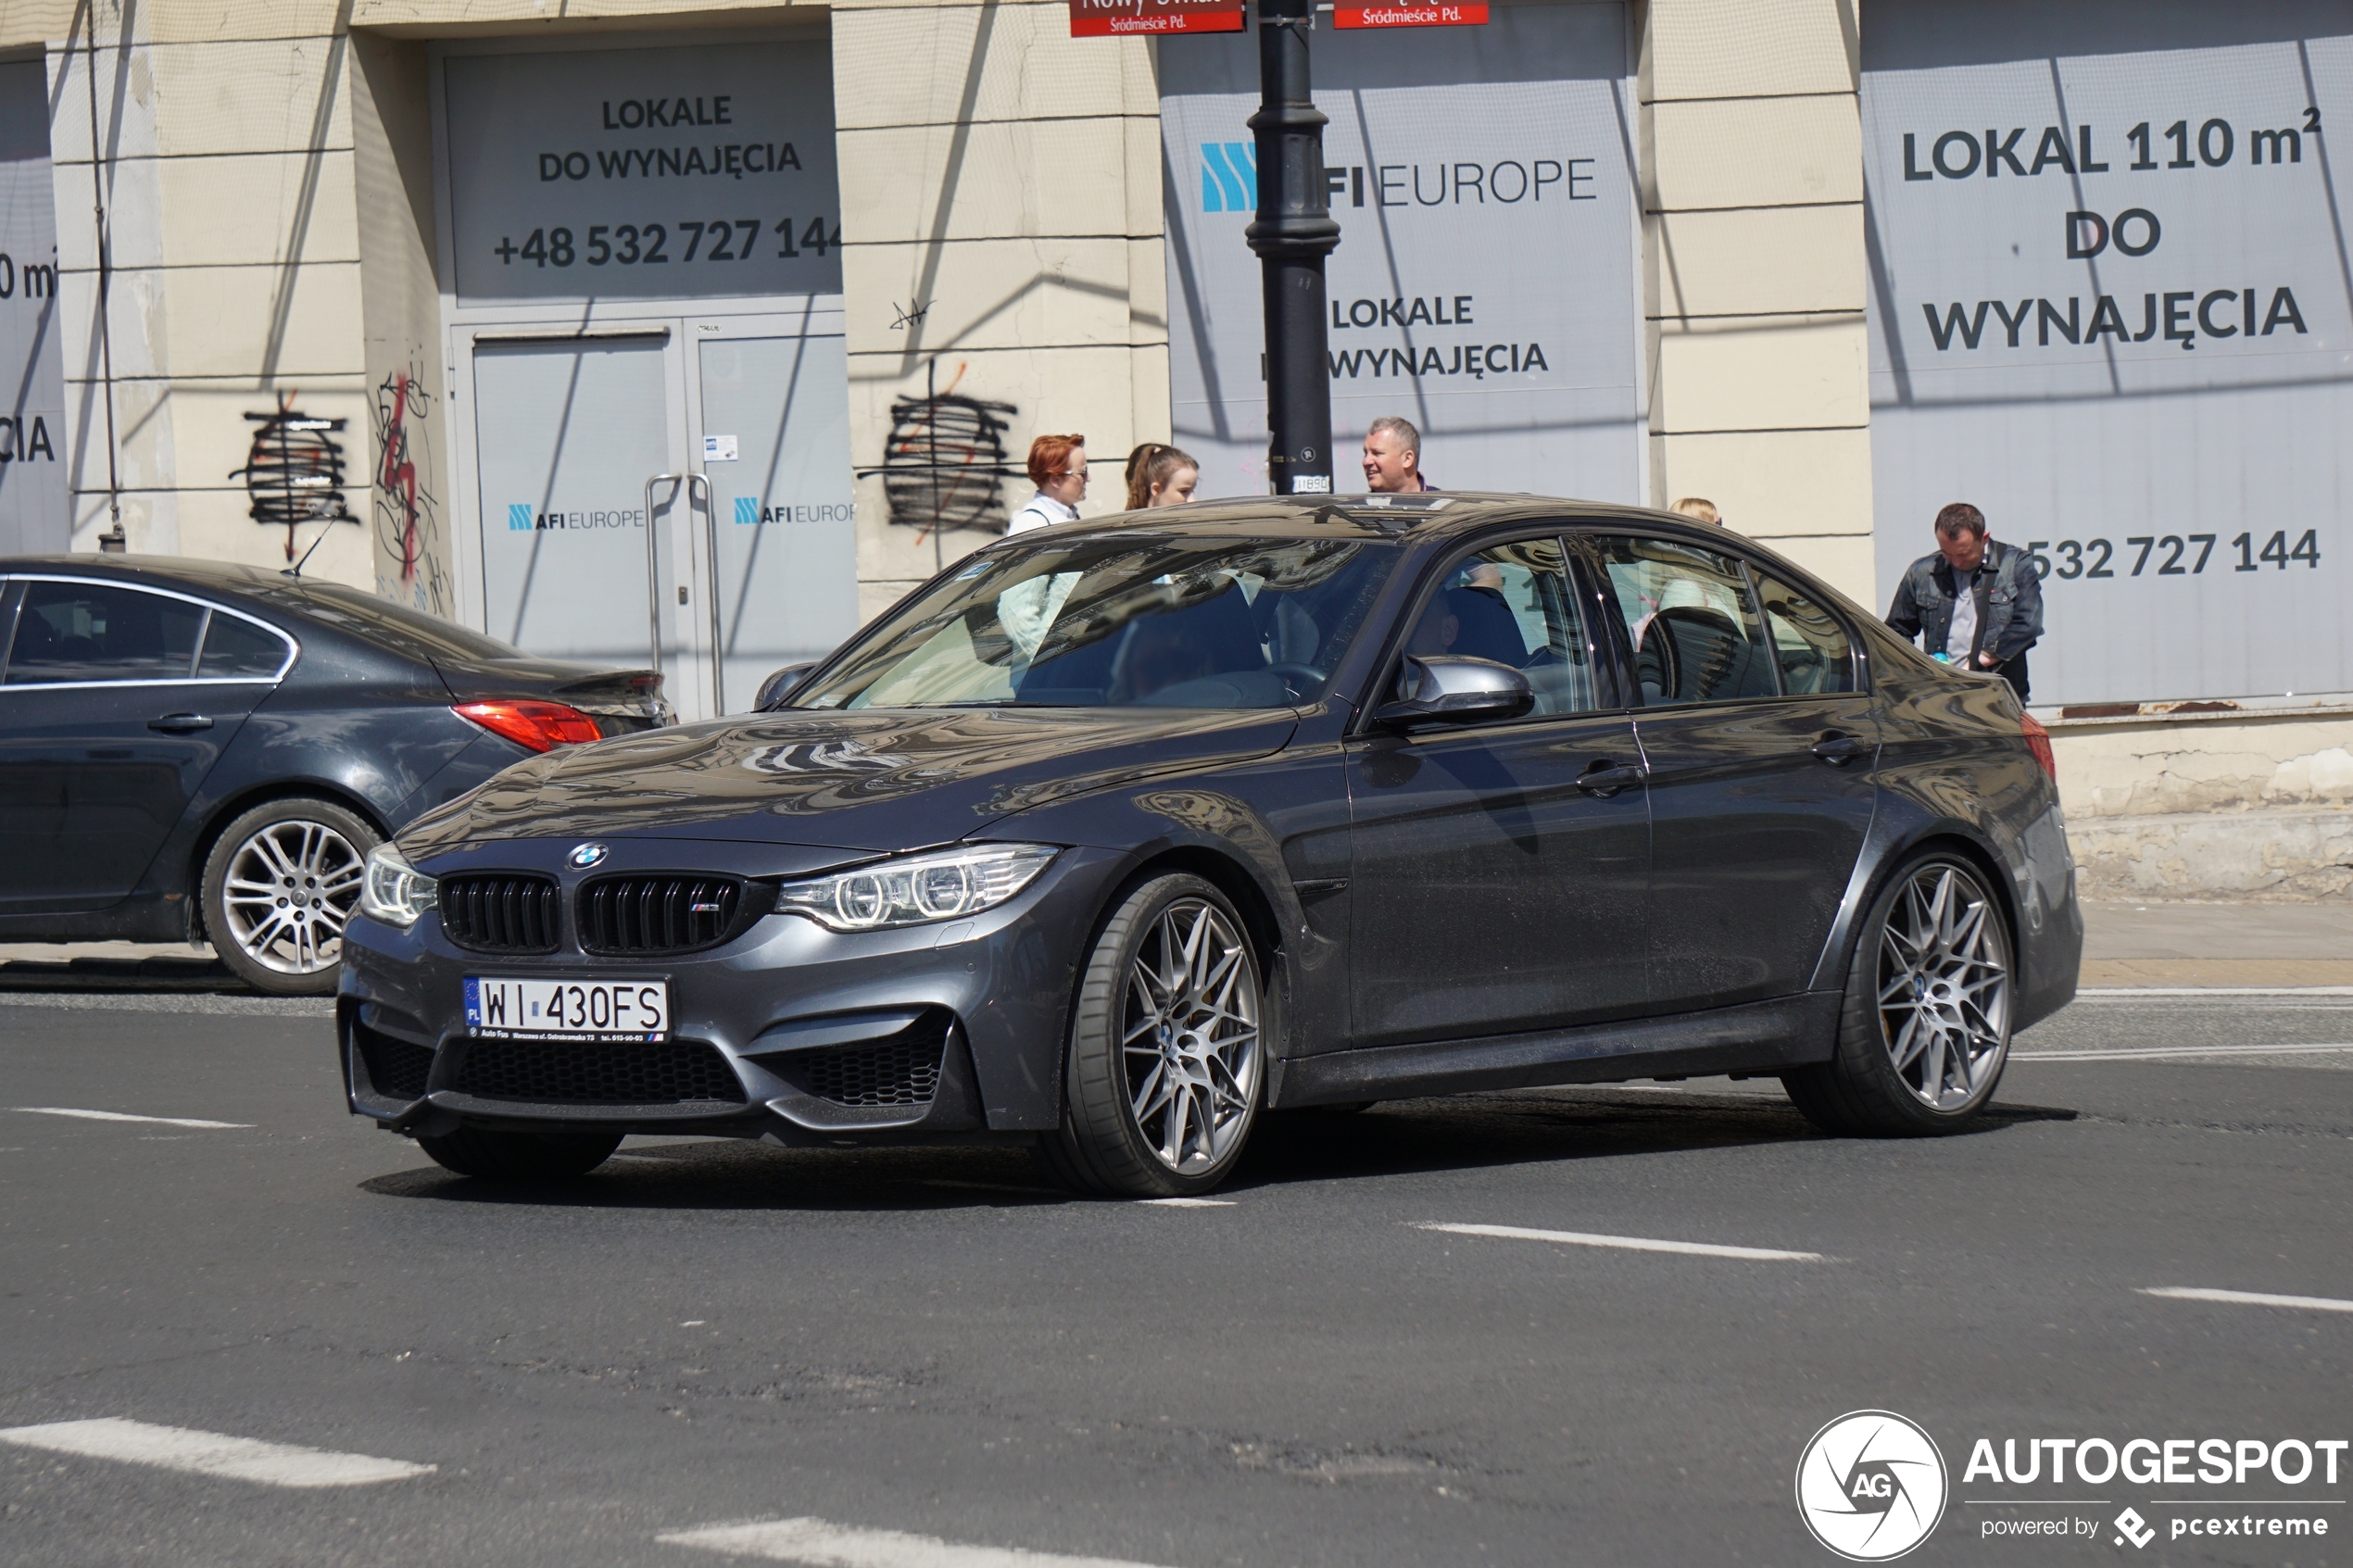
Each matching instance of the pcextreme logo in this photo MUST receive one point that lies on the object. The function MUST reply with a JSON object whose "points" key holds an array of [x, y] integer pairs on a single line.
{"points": [[1870, 1485]]}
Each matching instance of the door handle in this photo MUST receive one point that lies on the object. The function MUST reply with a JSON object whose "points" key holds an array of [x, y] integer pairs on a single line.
{"points": [[653, 559], [180, 723], [1605, 777], [1837, 747]]}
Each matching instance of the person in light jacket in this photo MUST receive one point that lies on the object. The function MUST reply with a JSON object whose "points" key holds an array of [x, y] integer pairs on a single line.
{"points": [[1058, 467], [1976, 603]]}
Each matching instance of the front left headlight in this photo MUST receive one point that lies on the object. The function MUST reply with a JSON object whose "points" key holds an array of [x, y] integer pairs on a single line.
{"points": [[939, 885], [393, 891]]}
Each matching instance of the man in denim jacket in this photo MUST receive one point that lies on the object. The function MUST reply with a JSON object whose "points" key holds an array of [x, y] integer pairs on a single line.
{"points": [[1980, 603]]}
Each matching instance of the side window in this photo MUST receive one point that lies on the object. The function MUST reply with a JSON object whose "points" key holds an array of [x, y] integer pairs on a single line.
{"points": [[1696, 634], [235, 649], [1512, 603], [97, 632], [1808, 643]]}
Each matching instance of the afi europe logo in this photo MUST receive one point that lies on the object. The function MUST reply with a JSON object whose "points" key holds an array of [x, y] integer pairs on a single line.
{"points": [[1229, 177], [1870, 1485], [523, 518]]}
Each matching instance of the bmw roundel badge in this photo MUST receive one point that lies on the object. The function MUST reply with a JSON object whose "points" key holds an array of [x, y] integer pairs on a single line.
{"points": [[582, 856]]}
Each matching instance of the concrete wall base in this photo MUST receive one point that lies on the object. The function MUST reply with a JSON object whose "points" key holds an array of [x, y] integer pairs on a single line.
{"points": [[2292, 855]]}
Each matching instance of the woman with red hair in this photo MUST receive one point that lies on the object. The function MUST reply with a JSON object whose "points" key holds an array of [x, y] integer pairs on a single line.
{"points": [[1058, 467]]}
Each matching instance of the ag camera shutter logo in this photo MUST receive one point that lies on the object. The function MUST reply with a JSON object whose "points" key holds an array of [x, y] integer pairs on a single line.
{"points": [[1871, 1485]]}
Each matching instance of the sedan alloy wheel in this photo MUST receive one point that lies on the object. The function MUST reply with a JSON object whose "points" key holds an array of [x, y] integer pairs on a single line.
{"points": [[1189, 1038], [1944, 987], [281, 882]]}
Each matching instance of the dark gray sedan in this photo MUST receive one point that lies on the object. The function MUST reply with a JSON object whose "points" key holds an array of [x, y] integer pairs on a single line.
{"points": [[193, 749], [1121, 833]]}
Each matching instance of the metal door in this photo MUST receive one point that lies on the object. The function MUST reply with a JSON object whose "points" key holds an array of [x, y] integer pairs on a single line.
{"points": [[772, 406], [588, 509]]}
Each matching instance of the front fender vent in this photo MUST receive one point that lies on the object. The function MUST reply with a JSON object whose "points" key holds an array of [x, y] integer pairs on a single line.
{"points": [[500, 912], [665, 913]]}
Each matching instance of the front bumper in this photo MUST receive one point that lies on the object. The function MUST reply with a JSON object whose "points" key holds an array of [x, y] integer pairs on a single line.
{"points": [[995, 990]]}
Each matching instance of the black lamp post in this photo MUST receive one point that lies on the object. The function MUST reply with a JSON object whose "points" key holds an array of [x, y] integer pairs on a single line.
{"points": [[1292, 233]]}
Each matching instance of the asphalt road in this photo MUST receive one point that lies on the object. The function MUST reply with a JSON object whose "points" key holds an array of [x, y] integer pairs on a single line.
{"points": [[929, 1343]]}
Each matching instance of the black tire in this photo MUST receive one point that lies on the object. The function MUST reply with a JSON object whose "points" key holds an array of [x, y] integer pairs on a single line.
{"points": [[292, 962], [1101, 1147], [521, 1157], [1876, 1083]]}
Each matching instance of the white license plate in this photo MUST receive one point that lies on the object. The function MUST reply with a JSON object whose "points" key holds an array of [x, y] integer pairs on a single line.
{"points": [[636, 1010]]}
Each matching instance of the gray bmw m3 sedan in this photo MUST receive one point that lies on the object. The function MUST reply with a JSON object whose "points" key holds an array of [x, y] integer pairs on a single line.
{"points": [[1119, 835]]}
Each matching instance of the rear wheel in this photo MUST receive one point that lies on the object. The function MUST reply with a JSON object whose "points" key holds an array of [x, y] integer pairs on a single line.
{"points": [[1166, 1062], [1925, 1030], [521, 1157], [279, 886]]}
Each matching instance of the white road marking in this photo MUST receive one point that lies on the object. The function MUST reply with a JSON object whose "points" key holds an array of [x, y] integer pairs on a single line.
{"points": [[210, 1453], [119, 1116], [1189, 1202], [1629, 1243], [823, 1545], [2250, 1298], [2102, 993], [2162, 1053]]}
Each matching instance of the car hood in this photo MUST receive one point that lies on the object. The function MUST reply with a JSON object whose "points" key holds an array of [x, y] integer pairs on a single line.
{"points": [[880, 781]]}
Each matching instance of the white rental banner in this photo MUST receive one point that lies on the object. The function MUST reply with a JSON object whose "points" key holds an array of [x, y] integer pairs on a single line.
{"points": [[33, 513], [673, 173], [2111, 306], [1484, 286]]}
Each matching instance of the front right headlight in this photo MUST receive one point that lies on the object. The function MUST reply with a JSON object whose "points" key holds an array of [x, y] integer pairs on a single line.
{"points": [[393, 891], [918, 888]]}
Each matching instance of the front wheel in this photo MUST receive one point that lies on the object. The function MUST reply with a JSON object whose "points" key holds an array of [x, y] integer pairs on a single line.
{"points": [[521, 1157], [1166, 1061], [1925, 1030]]}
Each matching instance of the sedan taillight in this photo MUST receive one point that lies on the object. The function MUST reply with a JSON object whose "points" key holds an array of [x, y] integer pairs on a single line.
{"points": [[2038, 741], [532, 724]]}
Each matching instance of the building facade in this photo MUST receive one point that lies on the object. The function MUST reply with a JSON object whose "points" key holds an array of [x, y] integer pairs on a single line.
{"points": [[625, 328]]}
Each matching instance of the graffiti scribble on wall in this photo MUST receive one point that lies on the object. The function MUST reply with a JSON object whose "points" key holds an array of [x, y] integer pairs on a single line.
{"points": [[293, 472], [947, 454], [408, 514]]}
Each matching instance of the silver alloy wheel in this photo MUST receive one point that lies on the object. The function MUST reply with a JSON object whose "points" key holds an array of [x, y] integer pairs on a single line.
{"points": [[1944, 987], [1190, 1036], [289, 889]]}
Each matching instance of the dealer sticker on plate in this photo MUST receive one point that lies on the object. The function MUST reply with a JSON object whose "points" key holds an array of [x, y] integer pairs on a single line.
{"points": [[628, 1009]]}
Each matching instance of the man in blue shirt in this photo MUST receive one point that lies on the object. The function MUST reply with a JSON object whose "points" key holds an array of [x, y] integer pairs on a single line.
{"points": [[1979, 603]]}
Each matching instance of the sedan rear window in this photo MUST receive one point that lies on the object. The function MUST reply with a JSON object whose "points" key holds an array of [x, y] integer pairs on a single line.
{"points": [[413, 631], [1123, 621], [70, 632]]}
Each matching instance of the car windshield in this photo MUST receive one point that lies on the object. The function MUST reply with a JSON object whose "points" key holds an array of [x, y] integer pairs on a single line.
{"points": [[1122, 621]]}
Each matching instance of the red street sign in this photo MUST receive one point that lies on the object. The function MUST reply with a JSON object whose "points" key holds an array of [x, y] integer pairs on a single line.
{"points": [[1099, 18], [1406, 16]]}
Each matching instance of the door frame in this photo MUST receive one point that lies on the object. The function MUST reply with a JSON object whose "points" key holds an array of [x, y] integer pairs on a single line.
{"points": [[685, 318]]}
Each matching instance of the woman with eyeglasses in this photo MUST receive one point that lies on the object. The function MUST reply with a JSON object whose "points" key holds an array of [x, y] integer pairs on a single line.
{"points": [[1058, 467]]}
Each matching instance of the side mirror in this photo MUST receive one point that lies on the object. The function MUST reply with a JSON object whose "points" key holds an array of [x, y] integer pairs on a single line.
{"points": [[780, 686], [1449, 689]]}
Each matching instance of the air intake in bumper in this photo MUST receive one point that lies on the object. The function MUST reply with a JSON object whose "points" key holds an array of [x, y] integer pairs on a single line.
{"points": [[598, 1072], [903, 1069]]}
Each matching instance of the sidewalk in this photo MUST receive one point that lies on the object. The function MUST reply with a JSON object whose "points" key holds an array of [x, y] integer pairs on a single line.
{"points": [[2208, 944]]}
